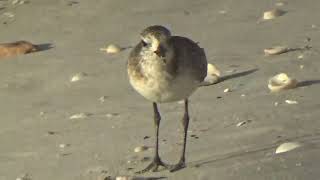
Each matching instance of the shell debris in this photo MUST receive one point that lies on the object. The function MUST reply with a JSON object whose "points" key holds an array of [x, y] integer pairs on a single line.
{"points": [[78, 77], [24, 177], [79, 116], [62, 146], [291, 101], [276, 50], [213, 75], [281, 82], [226, 90], [140, 149], [288, 146], [111, 49], [272, 14]]}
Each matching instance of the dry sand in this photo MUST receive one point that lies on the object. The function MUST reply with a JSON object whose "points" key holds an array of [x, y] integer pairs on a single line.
{"points": [[37, 97]]}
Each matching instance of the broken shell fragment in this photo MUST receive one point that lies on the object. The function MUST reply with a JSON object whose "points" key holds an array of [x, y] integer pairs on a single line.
{"points": [[281, 82], [291, 102], [288, 146], [213, 74], [79, 116], [226, 90], [16, 48], [140, 149], [78, 77], [276, 50], [111, 49], [272, 14]]}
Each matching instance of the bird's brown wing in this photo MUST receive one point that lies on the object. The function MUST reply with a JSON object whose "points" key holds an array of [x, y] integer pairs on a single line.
{"points": [[188, 56]]}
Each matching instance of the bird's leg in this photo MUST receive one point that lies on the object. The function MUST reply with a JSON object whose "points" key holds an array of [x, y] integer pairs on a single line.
{"points": [[154, 165], [185, 122]]}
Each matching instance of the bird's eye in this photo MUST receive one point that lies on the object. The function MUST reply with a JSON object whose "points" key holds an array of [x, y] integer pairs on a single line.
{"points": [[144, 44]]}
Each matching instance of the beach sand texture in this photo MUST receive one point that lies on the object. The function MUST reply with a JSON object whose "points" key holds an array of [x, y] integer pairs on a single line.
{"points": [[232, 135]]}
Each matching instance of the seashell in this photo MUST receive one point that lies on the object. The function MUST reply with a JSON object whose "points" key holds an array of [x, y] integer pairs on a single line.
{"points": [[281, 82], [102, 99], [111, 49], [63, 145], [288, 146], [291, 102], [16, 48], [213, 75], [79, 116], [241, 123], [78, 77], [140, 149], [275, 50], [227, 90], [272, 14]]}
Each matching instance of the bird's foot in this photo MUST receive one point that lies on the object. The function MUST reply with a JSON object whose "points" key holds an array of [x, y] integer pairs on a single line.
{"points": [[177, 167], [154, 166]]}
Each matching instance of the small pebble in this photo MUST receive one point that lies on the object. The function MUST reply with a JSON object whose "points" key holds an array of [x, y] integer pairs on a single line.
{"points": [[301, 66], [288, 146], [140, 149], [276, 103], [243, 95], [313, 26], [291, 102]]}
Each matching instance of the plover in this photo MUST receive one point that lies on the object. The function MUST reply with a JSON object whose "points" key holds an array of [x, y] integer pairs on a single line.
{"points": [[165, 68]]}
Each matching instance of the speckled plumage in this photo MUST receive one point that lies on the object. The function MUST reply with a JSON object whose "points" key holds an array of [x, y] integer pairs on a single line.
{"points": [[173, 77]]}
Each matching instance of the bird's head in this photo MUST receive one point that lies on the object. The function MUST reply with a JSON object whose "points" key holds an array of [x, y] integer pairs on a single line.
{"points": [[155, 38]]}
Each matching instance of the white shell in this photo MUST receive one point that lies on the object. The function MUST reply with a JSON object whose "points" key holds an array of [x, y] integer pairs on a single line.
{"points": [[288, 146], [227, 90], [241, 123], [111, 49], [291, 102], [63, 145], [281, 82], [213, 75], [273, 14], [140, 149], [78, 77], [79, 116], [275, 50]]}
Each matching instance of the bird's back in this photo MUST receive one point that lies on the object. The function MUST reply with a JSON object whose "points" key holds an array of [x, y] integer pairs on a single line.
{"points": [[188, 57]]}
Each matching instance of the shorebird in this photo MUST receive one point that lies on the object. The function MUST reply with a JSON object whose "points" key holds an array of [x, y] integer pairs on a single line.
{"points": [[165, 68]]}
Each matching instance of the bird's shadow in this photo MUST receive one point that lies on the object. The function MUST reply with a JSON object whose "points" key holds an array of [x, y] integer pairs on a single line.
{"points": [[308, 83], [44, 46], [231, 76], [306, 139]]}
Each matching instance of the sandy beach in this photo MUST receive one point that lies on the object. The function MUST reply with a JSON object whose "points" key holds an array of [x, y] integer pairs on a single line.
{"points": [[39, 140]]}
